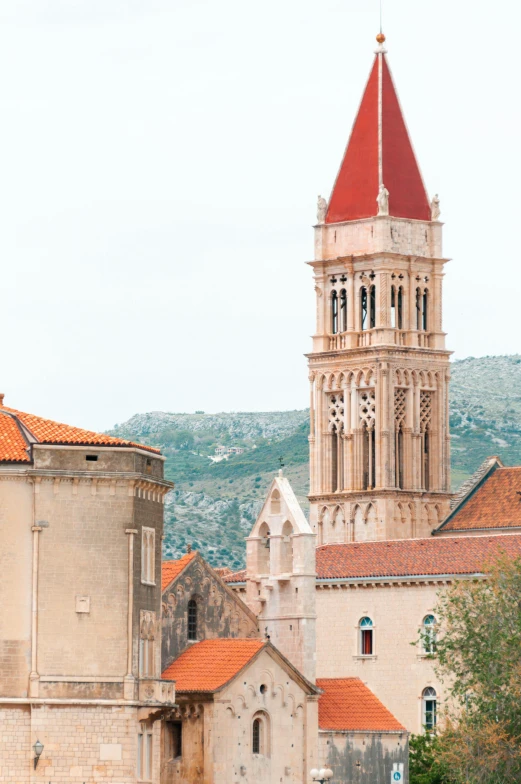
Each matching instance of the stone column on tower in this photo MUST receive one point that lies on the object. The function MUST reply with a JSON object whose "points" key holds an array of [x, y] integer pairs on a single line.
{"points": [[379, 438]]}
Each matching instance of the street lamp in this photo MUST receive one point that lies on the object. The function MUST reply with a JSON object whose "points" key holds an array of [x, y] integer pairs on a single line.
{"points": [[37, 748], [322, 775]]}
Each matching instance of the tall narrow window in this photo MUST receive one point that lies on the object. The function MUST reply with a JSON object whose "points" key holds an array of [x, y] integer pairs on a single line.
{"points": [[334, 312], [260, 734], [400, 402], [256, 741], [192, 619], [419, 303], [367, 424], [343, 311], [364, 305], [336, 428], [425, 426], [429, 634], [425, 300], [366, 637], [145, 748], [372, 308], [148, 553], [397, 307], [147, 633], [429, 709]]}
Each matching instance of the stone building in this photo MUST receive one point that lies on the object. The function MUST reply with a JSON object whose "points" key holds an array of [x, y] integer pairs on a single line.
{"points": [[244, 714], [81, 521]]}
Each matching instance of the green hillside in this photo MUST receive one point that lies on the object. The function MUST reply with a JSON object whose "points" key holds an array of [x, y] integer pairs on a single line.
{"points": [[215, 503]]}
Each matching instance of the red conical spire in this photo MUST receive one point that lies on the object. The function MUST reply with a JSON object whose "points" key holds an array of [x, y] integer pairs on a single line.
{"points": [[379, 152]]}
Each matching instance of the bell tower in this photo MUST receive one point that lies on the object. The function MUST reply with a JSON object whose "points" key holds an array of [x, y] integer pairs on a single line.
{"points": [[379, 369]]}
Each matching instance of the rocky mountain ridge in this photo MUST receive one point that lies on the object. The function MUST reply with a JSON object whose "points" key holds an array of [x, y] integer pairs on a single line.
{"points": [[215, 504]]}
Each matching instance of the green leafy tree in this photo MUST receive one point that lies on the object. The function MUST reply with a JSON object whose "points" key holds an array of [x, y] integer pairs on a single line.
{"points": [[425, 763], [479, 658]]}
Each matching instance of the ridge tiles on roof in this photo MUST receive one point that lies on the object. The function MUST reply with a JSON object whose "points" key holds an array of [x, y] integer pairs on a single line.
{"points": [[46, 431], [379, 152], [494, 502]]}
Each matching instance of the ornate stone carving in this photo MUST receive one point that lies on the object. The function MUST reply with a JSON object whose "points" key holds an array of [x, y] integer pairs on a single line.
{"points": [[321, 209], [435, 208], [383, 200]]}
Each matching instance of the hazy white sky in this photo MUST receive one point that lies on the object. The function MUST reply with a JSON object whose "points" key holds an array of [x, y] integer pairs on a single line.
{"points": [[160, 162]]}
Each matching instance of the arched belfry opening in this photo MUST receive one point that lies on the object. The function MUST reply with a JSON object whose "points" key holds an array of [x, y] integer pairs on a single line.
{"points": [[286, 548], [379, 367]]}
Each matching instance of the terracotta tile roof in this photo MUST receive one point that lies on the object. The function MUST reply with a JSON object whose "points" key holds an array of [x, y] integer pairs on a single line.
{"points": [[171, 569], [235, 577], [347, 704], [13, 445], [45, 431], [409, 557], [211, 664], [495, 502]]}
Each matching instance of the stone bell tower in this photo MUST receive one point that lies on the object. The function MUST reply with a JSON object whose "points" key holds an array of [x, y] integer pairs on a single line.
{"points": [[379, 369]]}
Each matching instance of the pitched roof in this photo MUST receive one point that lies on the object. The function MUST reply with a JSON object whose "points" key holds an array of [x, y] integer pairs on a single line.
{"points": [[18, 430], [379, 151], [414, 557], [172, 569], [235, 577], [347, 704], [493, 502], [211, 664]]}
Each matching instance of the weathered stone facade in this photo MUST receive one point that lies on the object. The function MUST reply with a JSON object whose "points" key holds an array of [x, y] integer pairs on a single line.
{"points": [[364, 757], [217, 729], [73, 592], [220, 612]]}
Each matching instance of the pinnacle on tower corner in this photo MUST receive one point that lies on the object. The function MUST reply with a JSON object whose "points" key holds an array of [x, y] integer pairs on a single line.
{"points": [[379, 157]]}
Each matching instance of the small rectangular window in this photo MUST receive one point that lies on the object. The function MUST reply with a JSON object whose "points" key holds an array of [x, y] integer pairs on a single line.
{"points": [[173, 740], [148, 556], [91, 458]]}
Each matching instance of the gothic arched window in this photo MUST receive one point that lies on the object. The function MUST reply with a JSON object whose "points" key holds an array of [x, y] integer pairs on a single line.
{"points": [[429, 634], [397, 307], [334, 312], [260, 731], [192, 619], [429, 709], [425, 300], [366, 637], [343, 311]]}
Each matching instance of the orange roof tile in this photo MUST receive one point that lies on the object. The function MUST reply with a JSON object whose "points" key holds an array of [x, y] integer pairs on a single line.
{"points": [[13, 446], [495, 502], [347, 704], [171, 569], [409, 557], [211, 664], [45, 431]]}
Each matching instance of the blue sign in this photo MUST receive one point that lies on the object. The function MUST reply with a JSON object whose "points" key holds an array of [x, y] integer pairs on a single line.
{"points": [[397, 776]]}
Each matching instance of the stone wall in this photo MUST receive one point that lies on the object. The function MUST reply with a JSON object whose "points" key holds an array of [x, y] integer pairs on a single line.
{"points": [[219, 612], [375, 753], [397, 613], [81, 744], [15, 586]]}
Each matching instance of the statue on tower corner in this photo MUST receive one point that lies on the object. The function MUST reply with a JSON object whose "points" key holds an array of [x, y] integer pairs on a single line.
{"points": [[435, 208], [383, 200], [321, 209]]}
